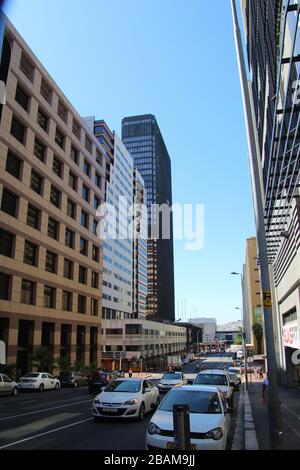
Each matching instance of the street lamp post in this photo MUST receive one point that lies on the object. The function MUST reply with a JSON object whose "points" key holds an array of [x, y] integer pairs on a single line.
{"points": [[198, 341], [244, 329]]}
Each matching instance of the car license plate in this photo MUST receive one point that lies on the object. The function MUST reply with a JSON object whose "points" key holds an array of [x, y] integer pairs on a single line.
{"points": [[170, 445], [110, 410]]}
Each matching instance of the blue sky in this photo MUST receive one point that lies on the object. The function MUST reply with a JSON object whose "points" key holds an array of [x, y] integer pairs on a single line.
{"points": [[176, 60]]}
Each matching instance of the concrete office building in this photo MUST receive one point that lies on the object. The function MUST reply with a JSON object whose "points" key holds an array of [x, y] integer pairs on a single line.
{"points": [[143, 139], [209, 328], [273, 47], [253, 313], [228, 332], [52, 172]]}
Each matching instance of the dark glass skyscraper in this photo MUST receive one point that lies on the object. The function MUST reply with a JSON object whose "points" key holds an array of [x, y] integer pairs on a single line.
{"points": [[142, 137]]}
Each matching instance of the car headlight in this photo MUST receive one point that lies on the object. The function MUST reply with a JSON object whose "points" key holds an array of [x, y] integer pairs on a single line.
{"points": [[215, 434], [153, 429], [96, 401], [131, 402]]}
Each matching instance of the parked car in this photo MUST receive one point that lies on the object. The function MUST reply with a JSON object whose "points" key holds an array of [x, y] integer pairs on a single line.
{"points": [[8, 386], [117, 374], [72, 379], [38, 381], [209, 419], [126, 398], [219, 378], [234, 381], [170, 380], [235, 370], [98, 381]]}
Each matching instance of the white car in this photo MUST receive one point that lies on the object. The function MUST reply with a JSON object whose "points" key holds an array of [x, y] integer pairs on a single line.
{"points": [[126, 398], [8, 386], [219, 378], [209, 414], [170, 380], [38, 381]]}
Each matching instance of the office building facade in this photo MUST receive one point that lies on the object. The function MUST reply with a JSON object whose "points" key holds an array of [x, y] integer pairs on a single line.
{"points": [[52, 169], [142, 137], [272, 35]]}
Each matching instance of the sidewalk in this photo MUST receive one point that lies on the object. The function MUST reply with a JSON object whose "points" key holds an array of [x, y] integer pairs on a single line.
{"points": [[290, 408]]}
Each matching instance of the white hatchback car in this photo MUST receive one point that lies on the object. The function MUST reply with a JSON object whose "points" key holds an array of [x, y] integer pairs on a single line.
{"points": [[126, 398], [219, 378], [38, 381], [170, 380], [209, 413]]}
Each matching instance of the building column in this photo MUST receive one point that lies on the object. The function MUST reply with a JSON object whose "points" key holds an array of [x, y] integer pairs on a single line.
{"points": [[87, 338], [57, 339], [12, 346], [37, 334], [73, 342]]}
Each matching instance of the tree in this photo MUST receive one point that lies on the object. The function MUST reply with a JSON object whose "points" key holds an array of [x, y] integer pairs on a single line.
{"points": [[63, 363], [239, 337], [79, 366], [258, 333], [9, 369], [43, 359]]}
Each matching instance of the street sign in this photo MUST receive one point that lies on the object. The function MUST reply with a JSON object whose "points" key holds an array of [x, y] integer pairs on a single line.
{"points": [[267, 300]]}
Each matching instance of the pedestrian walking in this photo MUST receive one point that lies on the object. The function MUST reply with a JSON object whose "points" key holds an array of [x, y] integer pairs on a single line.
{"points": [[265, 391], [130, 373]]}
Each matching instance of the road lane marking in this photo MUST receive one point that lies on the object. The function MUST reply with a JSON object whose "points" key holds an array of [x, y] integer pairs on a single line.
{"points": [[43, 410], [44, 433], [291, 427], [291, 411]]}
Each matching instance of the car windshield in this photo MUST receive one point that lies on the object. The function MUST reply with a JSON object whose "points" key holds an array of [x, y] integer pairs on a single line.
{"points": [[31, 375], [124, 386], [211, 379], [198, 401], [172, 376]]}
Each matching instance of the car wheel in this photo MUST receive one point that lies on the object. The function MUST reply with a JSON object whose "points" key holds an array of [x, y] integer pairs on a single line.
{"points": [[75, 384], [41, 388], [142, 412], [56, 386], [14, 391]]}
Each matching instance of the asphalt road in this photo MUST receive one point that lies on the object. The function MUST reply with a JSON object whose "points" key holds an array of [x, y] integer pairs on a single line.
{"points": [[62, 420]]}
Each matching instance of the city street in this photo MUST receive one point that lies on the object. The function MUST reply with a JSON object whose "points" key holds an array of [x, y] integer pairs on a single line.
{"points": [[62, 420]]}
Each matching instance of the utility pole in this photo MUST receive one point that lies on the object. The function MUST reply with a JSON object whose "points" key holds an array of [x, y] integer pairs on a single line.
{"points": [[275, 419]]}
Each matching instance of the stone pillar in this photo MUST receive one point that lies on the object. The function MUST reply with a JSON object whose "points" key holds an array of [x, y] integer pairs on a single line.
{"points": [[57, 339], [12, 346], [73, 342]]}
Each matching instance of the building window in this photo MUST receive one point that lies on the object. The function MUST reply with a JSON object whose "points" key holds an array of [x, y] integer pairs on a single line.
{"points": [[36, 182], [96, 202], [70, 238], [76, 128], [46, 91], [95, 280], [68, 268], [87, 168], [85, 193], [51, 262], [17, 130], [81, 304], [42, 120], [9, 203], [84, 219], [73, 181], [88, 144], [6, 243], [98, 180], [95, 225], [53, 229], [74, 155], [39, 150], [5, 286], [62, 111], [82, 275], [99, 158], [57, 166], [28, 292], [59, 139], [71, 209], [13, 165], [55, 196], [22, 98], [49, 297], [83, 246], [33, 217], [94, 307], [95, 253], [30, 253], [67, 301], [27, 66]]}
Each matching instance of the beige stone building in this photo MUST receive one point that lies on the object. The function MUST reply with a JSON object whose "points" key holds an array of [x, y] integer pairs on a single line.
{"points": [[252, 293], [52, 177]]}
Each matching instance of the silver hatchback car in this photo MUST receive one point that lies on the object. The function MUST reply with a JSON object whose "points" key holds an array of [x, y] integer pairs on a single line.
{"points": [[7, 386]]}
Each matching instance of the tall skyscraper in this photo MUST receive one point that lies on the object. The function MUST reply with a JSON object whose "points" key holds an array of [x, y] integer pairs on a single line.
{"points": [[142, 137]]}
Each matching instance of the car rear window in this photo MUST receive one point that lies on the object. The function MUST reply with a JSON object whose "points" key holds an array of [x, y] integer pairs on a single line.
{"points": [[211, 379]]}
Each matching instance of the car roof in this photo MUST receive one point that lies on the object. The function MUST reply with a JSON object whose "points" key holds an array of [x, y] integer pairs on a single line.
{"points": [[213, 371], [128, 379], [199, 388]]}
